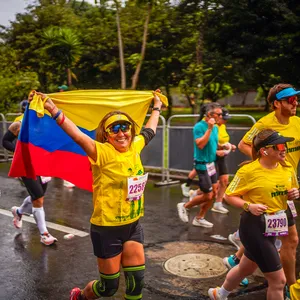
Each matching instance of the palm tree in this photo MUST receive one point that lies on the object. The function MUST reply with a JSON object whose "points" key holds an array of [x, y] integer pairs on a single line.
{"points": [[64, 46], [135, 77], [120, 41]]}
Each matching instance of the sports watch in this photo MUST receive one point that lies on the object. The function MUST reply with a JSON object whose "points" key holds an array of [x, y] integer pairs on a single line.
{"points": [[246, 206]]}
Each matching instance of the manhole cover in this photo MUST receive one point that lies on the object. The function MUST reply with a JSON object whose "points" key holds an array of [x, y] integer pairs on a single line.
{"points": [[195, 265]]}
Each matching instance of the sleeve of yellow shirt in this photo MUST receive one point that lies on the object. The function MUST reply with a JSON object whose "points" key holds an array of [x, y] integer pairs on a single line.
{"points": [[255, 129], [238, 186]]}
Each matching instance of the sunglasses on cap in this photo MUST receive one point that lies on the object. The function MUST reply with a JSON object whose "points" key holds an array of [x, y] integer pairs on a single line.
{"points": [[279, 147], [114, 129]]}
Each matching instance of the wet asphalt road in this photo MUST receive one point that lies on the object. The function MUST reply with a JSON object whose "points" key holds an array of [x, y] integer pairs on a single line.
{"points": [[32, 271]]}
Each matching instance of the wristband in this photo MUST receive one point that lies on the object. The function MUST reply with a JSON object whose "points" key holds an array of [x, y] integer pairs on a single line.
{"points": [[51, 110], [62, 120], [57, 115], [156, 108]]}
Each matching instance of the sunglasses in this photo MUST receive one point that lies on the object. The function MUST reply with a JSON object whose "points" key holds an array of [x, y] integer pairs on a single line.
{"points": [[218, 114], [279, 147], [124, 127], [291, 100]]}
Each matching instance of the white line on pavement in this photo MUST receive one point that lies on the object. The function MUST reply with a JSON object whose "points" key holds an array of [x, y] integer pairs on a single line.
{"points": [[49, 224]]}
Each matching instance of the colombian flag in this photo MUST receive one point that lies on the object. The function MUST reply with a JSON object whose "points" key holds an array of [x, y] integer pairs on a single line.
{"points": [[44, 149]]}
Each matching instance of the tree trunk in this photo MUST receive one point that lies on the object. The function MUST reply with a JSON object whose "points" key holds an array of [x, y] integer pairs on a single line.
{"points": [[121, 51], [266, 92], [135, 77], [69, 74]]}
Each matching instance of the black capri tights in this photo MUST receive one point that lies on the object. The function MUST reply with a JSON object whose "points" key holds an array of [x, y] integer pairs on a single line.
{"points": [[259, 248], [35, 188]]}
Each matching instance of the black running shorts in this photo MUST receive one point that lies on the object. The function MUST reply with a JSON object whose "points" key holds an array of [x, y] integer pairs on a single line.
{"points": [[258, 248], [108, 240], [35, 188], [206, 181], [221, 164]]}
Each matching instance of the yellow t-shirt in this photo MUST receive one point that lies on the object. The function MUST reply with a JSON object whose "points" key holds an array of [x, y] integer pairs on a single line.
{"points": [[223, 135], [263, 186], [110, 173], [290, 130], [19, 118]]}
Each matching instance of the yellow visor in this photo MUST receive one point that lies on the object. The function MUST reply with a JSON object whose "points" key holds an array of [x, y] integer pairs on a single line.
{"points": [[115, 118]]}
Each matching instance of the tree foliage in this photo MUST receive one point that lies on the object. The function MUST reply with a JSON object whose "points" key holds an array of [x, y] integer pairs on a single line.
{"points": [[207, 48]]}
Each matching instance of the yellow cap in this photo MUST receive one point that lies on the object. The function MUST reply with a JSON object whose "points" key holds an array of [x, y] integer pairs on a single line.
{"points": [[115, 118]]}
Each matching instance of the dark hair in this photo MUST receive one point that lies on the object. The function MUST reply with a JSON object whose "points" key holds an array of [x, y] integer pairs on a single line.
{"points": [[101, 135], [258, 139], [23, 104], [206, 108], [276, 89]]}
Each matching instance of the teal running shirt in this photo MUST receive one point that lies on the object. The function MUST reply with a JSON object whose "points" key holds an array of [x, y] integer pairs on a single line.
{"points": [[209, 153]]}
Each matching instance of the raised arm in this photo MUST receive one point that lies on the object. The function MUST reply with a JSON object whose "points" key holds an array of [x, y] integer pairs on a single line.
{"points": [[203, 140], [153, 120], [83, 140]]}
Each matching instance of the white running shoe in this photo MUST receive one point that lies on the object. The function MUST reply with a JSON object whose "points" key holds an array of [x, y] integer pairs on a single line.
{"points": [[182, 212], [68, 184], [185, 190], [47, 239], [234, 240], [214, 294], [202, 223], [219, 208], [192, 194], [16, 220]]}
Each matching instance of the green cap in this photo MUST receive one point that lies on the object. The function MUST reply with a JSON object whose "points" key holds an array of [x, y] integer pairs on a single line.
{"points": [[63, 87]]}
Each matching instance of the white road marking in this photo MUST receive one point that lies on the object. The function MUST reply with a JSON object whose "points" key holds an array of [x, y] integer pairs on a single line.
{"points": [[49, 224]]}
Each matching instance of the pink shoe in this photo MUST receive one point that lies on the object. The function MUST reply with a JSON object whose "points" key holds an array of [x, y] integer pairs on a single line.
{"points": [[17, 220], [47, 239], [75, 293]]}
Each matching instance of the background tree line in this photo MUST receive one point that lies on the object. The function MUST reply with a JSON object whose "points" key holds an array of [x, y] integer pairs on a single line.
{"points": [[208, 48]]}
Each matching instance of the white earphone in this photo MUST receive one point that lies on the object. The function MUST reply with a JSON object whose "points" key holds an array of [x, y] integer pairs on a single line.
{"points": [[265, 153]]}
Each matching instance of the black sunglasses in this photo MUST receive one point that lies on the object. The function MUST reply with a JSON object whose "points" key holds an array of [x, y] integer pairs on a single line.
{"points": [[114, 129]]}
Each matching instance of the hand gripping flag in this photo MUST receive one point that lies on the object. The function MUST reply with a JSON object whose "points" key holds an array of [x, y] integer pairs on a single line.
{"points": [[44, 149]]}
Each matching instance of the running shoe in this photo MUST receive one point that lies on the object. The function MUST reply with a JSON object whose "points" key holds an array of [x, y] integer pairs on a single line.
{"points": [[214, 294], [17, 220], [229, 262], [244, 282], [192, 194], [185, 190], [75, 293], [47, 239], [68, 184], [202, 223], [219, 208], [278, 244], [183, 212], [235, 240]]}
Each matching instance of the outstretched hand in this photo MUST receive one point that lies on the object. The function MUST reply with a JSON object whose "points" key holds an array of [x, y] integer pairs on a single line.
{"points": [[48, 104], [156, 100]]}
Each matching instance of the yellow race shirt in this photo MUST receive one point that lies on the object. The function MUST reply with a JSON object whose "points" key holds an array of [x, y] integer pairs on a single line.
{"points": [[290, 130], [19, 118], [223, 135], [263, 186], [110, 174]]}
